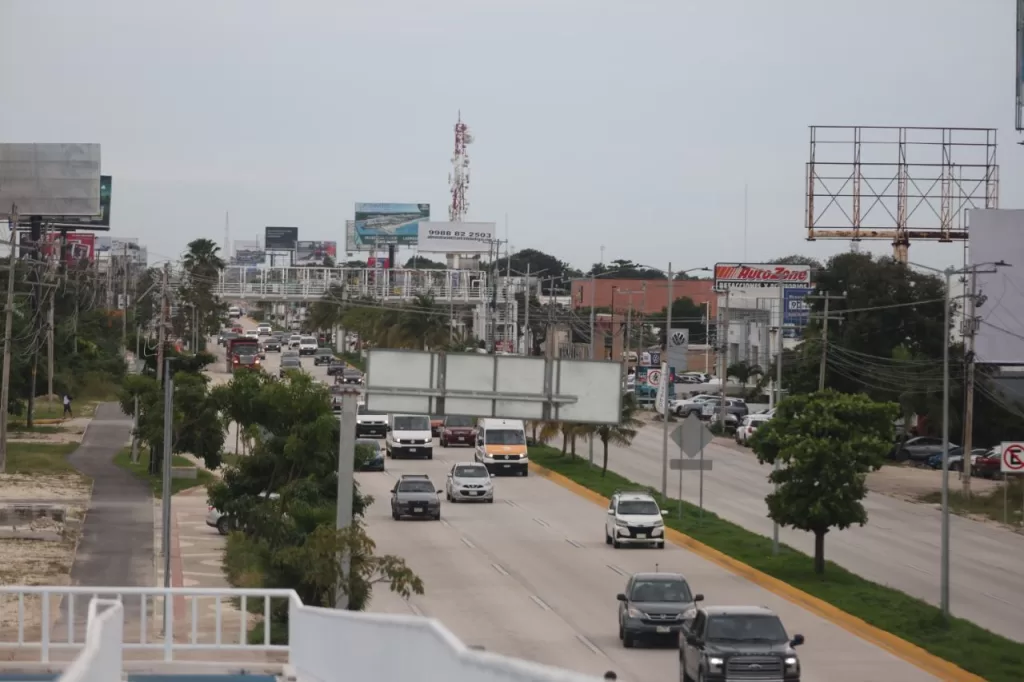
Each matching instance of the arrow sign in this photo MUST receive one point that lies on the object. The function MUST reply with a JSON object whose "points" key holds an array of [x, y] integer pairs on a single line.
{"points": [[1013, 458], [692, 436]]}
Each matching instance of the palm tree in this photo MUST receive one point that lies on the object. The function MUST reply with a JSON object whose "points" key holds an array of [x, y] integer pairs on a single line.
{"points": [[622, 433], [202, 259], [743, 371], [203, 265]]}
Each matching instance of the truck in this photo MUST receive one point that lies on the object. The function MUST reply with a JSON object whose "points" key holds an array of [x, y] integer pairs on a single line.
{"points": [[242, 352]]}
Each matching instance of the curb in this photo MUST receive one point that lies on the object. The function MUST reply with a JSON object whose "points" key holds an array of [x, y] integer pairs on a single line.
{"points": [[901, 648]]}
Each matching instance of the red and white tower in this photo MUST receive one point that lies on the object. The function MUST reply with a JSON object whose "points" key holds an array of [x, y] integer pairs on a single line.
{"points": [[458, 180]]}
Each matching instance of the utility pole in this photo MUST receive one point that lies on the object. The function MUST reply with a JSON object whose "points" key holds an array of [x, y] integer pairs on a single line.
{"points": [[49, 347], [36, 232], [5, 385], [162, 325], [665, 383], [508, 298], [970, 328], [527, 347], [723, 362], [823, 366], [346, 466], [166, 470], [778, 394], [124, 310]]}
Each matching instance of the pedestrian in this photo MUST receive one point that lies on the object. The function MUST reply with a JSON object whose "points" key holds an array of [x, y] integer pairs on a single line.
{"points": [[67, 405]]}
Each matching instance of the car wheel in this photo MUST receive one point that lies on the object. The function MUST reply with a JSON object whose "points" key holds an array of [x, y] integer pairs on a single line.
{"points": [[627, 639], [394, 514], [490, 501], [526, 472], [608, 541], [223, 525], [444, 443], [616, 544], [430, 456], [661, 545], [902, 456], [437, 516]]}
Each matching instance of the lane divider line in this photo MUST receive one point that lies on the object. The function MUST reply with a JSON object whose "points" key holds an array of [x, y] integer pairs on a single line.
{"points": [[499, 569], [415, 609], [445, 524], [468, 543], [540, 602], [511, 503], [901, 648], [574, 543], [616, 569], [590, 645], [542, 522]]}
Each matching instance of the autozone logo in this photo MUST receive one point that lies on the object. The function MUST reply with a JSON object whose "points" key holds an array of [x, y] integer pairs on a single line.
{"points": [[758, 274]]}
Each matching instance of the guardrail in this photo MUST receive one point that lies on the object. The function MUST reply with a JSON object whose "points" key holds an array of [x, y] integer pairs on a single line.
{"points": [[313, 289], [192, 629]]}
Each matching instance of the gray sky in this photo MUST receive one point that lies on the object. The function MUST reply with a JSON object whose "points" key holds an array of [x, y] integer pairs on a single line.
{"points": [[629, 124]]}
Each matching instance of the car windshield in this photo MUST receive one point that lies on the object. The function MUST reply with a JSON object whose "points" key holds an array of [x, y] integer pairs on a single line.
{"points": [[307, 339], [471, 472], [411, 424], [290, 361], [416, 487], [457, 422], [740, 628], [661, 591], [324, 351], [363, 410], [639, 507], [504, 437]]}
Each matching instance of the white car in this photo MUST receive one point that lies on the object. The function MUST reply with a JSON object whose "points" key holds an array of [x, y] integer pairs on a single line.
{"points": [[748, 425], [682, 407], [308, 345], [469, 481], [634, 519], [264, 329], [294, 340], [409, 435], [252, 334]]}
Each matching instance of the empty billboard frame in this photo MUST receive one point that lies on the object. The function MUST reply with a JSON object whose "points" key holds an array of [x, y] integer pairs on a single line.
{"points": [[499, 386], [50, 179], [997, 235]]}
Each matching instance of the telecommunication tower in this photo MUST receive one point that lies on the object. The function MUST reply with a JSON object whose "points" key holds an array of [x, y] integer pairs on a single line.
{"points": [[458, 180]]}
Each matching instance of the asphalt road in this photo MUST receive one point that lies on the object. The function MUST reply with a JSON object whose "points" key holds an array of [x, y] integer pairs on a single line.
{"points": [[530, 576], [898, 547]]}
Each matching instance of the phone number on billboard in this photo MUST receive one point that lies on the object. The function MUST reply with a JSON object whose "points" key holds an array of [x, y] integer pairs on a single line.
{"points": [[450, 234]]}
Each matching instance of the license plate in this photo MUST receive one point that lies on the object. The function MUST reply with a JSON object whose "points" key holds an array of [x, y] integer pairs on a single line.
{"points": [[461, 438], [642, 536], [664, 629], [418, 510], [507, 466], [412, 449], [474, 492]]}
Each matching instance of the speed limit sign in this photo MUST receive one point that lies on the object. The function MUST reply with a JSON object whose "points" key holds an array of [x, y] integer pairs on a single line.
{"points": [[654, 377]]}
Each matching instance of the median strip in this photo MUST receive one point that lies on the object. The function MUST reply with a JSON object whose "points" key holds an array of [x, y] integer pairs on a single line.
{"points": [[906, 627]]}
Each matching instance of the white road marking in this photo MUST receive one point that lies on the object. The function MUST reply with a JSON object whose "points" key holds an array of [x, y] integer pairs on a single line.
{"points": [[587, 643], [540, 602], [616, 569], [542, 522], [467, 543], [499, 569], [574, 543]]}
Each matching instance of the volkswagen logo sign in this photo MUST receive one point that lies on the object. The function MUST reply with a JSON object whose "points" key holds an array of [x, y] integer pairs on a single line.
{"points": [[678, 338]]}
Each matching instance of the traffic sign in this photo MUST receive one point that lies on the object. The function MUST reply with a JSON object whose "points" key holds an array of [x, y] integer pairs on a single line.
{"points": [[692, 436], [1013, 458], [654, 377]]}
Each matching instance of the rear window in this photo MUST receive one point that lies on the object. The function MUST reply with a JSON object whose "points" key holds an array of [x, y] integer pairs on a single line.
{"points": [[465, 422], [308, 339]]}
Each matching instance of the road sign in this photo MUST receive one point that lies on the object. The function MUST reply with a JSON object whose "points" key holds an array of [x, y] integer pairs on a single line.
{"points": [[691, 436], [654, 377], [690, 464], [1013, 458]]}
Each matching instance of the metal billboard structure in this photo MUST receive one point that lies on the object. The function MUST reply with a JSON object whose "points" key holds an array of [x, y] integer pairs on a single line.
{"points": [[50, 180], [898, 183], [456, 237], [388, 225], [498, 386], [998, 235]]}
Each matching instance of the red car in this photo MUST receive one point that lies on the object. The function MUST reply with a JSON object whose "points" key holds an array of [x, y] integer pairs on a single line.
{"points": [[458, 431], [988, 465]]}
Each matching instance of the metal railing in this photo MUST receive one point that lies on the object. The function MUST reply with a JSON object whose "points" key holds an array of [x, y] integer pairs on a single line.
{"points": [[192, 629]]}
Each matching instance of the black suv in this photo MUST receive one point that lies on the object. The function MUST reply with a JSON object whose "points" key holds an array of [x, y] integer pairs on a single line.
{"points": [[738, 642], [655, 606], [415, 495]]}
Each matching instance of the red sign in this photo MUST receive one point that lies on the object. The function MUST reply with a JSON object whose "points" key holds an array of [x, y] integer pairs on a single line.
{"points": [[1013, 458], [738, 273], [80, 246], [372, 262]]}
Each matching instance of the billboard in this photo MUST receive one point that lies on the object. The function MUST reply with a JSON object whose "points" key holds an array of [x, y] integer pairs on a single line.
{"points": [[455, 237], [120, 247], [249, 257], [998, 235], [315, 253], [753, 275], [281, 238], [379, 225], [101, 221], [677, 343], [80, 246], [1020, 65], [352, 243], [796, 312], [50, 179]]}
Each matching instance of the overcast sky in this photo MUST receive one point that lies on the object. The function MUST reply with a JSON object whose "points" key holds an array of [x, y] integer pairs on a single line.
{"points": [[632, 125]]}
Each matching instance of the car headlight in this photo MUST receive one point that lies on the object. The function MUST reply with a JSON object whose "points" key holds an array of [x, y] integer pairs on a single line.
{"points": [[792, 663], [635, 612], [621, 524], [715, 663], [659, 523]]}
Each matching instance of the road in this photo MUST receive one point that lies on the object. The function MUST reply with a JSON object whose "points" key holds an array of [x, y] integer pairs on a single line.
{"points": [[898, 547], [531, 577]]}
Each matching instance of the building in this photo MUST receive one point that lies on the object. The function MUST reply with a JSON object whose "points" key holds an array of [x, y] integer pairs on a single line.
{"points": [[645, 296]]}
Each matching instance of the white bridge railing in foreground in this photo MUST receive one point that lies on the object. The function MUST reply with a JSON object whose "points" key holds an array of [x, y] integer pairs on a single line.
{"points": [[182, 630]]}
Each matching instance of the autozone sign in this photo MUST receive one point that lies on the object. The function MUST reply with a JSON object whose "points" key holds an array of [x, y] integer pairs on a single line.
{"points": [[761, 274]]}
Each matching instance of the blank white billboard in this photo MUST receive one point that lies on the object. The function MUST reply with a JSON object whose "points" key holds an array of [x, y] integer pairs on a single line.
{"points": [[456, 237], [50, 179], [998, 235]]}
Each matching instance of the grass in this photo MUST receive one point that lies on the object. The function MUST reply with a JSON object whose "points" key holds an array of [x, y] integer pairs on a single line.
{"points": [[988, 504], [123, 459], [54, 409], [40, 458], [230, 459], [354, 359], [42, 428], [961, 642]]}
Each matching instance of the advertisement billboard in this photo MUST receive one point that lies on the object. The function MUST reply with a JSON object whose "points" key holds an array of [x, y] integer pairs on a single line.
{"points": [[50, 179], [352, 243], [100, 221], [1020, 66], [678, 345], [281, 238], [315, 253], [379, 225], [80, 246], [998, 235], [796, 311], [455, 237], [249, 257], [752, 275], [120, 247]]}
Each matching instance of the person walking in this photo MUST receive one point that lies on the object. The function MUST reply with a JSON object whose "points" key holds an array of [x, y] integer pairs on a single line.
{"points": [[67, 405]]}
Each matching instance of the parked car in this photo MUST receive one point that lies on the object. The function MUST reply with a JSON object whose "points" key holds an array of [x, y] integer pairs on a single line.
{"points": [[735, 410], [748, 425], [956, 458], [988, 465], [917, 449], [684, 407]]}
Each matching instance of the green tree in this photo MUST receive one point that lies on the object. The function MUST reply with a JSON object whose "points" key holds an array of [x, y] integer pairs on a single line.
{"points": [[423, 263], [743, 371], [824, 445], [685, 314], [621, 434], [202, 264], [554, 274]]}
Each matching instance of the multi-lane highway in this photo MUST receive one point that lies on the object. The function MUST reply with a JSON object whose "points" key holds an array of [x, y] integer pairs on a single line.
{"points": [[898, 547], [530, 576]]}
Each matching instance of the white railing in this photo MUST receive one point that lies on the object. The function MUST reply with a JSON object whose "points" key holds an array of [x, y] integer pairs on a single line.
{"points": [[100, 660], [203, 629]]}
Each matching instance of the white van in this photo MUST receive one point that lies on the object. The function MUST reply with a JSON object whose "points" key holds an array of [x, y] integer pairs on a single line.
{"points": [[501, 446], [234, 312], [409, 436]]}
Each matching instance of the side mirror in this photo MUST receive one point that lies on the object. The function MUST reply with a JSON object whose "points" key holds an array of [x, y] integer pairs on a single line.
{"points": [[692, 640], [621, 597], [664, 512], [440, 492], [611, 512], [797, 640], [698, 597], [491, 474], [394, 490]]}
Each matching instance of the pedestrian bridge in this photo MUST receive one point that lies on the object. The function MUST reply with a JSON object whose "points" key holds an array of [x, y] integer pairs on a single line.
{"points": [[102, 634], [306, 284]]}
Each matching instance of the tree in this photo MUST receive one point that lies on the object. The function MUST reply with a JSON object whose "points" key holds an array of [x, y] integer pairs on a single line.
{"points": [[797, 259], [202, 264], [743, 371], [825, 444], [554, 274], [422, 263], [291, 541], [685, 314], [621, 434]]}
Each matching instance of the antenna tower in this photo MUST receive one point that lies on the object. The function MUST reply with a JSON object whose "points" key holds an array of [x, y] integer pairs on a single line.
{"points": [[458, 180]]}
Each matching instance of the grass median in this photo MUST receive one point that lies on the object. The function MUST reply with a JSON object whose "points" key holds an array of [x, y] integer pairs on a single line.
{"points": [[40, 458], [961, 642], [123, 459]]}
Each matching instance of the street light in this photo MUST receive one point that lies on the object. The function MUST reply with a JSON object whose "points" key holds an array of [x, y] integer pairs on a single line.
{"points": [[944, 541]]}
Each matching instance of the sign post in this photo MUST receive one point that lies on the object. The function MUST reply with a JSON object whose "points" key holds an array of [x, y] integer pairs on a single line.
{"points": [[1011, 464], [691, 436]]}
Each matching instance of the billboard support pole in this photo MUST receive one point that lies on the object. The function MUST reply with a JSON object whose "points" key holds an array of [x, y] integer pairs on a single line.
{"points": [[8, 325], [666, 369], [778, 398]]}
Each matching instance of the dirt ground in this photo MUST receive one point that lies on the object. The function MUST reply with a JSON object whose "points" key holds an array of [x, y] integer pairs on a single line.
{"points": [[910, 483], [40, 487], [67, 431]]}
